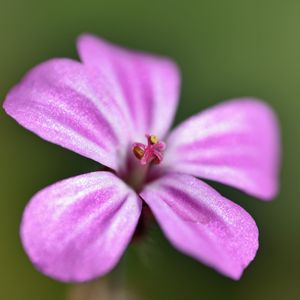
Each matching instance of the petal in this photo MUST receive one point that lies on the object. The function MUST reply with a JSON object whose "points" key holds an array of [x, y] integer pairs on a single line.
{"points": [[77, 229], [201, 223], [146, 86], [236, 143], [57, 101]]}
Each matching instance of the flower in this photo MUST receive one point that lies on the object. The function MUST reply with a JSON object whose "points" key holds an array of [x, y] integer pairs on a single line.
{"points": [[102, 108]]}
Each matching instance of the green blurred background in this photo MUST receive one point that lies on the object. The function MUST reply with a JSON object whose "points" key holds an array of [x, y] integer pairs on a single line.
{"points": [[225, 48]]}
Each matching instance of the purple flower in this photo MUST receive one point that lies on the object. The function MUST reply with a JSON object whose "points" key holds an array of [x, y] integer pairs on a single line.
{"points": [[102, 108]]}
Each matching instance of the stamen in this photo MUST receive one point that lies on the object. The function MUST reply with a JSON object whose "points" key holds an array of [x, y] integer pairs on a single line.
{"points": [[150, 153], [138, 150], [153, 139]]}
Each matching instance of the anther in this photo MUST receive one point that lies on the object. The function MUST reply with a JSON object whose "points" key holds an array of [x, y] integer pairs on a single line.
{"points": [[138, 151], [153, 139]]}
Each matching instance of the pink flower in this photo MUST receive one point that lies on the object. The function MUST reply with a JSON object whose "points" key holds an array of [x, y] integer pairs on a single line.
{"points": [[102, 107]]}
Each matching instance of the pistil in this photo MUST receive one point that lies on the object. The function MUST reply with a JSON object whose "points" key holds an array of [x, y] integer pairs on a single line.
{"points": [[150, 153]]}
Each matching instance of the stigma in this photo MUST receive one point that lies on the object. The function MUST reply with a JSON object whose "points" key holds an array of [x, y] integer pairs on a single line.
{"points": [[150, 153]]}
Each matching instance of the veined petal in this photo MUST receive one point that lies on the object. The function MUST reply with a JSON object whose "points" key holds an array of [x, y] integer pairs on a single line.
{"points": [[57, 100], [236, 143], [146, 87], [200, 222], [77, 229]]}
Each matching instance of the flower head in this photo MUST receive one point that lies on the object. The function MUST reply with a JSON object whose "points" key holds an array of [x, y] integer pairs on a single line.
{"points": [[102, 108]]}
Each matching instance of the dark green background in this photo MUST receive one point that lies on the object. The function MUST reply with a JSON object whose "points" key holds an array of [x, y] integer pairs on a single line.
{"points": [[225, 49]]}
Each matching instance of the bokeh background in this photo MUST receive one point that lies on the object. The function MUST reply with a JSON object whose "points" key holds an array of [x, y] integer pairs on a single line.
{"points": [[225, 49]]}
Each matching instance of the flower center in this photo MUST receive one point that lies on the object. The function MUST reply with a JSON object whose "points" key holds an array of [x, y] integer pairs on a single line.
{"points": [[150, 153], [138, 166]]}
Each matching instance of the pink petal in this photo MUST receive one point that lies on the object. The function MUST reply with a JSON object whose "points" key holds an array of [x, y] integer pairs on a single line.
{"points": [[77, 229], [57, 100], [201, 223], [147, 87], [236, 143]]}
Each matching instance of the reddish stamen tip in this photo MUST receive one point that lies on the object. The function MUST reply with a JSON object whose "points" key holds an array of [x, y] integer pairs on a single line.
{"points": [[138, 150]]}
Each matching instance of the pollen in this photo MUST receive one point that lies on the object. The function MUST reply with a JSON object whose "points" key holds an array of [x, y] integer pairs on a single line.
{"points": [[153, 139], [150, 153], [138, 151]]}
